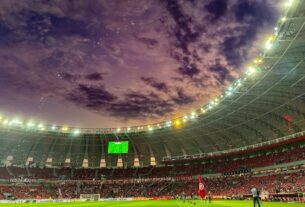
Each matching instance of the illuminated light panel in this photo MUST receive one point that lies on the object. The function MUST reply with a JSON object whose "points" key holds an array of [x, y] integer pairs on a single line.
{"points": [[118, 129], [283, 19], [128, 129], [53, 127]]}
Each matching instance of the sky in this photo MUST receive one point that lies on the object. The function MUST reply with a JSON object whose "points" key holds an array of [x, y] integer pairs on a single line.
{"points": [[114, 63]]}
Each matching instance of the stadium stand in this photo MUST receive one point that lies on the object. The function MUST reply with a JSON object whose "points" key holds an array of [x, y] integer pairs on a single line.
{"points": [[231, 177]]}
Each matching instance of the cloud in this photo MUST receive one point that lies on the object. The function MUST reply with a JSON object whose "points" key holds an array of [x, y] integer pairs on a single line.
{"points": [[134, 60], [149, 42], [160, 86], [139, 105], [189, 71], [94, 76], [91, 97], [217, 8], [182, 98], [220, 71], [252, 17]]}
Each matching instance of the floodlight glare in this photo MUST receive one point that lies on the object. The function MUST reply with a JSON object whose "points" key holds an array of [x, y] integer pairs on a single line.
{"points": [[193, 115], [64, 129], [185, 118], [5, 122], [169, 123], [251, 71], [30, 124], [76, 132], [288, 3]]}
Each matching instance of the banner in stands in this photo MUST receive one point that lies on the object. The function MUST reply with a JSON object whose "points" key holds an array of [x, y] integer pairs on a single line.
{"points": [[21, 180]]}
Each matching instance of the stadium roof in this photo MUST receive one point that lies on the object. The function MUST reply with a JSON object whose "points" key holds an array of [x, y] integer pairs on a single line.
{"points": [[269, 104]]}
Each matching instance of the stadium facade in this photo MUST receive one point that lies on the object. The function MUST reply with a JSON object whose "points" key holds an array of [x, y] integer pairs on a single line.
{"points": [[261, 115], [263, 106]]}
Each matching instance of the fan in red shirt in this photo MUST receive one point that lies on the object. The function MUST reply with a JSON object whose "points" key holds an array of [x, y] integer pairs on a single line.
{"points": [[201, 191]]}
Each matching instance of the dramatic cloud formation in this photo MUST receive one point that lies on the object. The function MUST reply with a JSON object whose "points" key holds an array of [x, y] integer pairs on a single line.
{"points": [[109, 63]]}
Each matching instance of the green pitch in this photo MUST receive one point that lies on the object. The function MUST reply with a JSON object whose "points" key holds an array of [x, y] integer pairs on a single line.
{"points": [[157, 204]]}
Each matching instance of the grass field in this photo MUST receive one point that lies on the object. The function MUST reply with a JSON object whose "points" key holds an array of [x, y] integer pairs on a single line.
{"points": [[158, 204]]}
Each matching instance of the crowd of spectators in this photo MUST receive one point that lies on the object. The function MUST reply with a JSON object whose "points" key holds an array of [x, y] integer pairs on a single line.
{"points": [[228, 165], [155, 181], [218, 186]]}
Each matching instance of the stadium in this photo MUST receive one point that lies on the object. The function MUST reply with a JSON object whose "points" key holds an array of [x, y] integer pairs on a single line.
{"points": [[249, 133]]}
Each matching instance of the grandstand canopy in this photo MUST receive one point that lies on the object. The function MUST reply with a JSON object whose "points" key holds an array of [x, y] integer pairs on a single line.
{"points": [[267, 105]]}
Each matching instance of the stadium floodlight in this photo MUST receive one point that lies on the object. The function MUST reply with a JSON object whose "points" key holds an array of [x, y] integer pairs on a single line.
{"points": [[30, 124], [53, 127], [258, 60], [40, 126], [5, 122], [268, 45], [150, 128], [64, 129], [228, 93], [203, 110], [168, 123], [76, 132], [215, 102], [193, 115], [276, 30], [177, 123], [238, 83], [16, 122], [288, 3], [251, 70], [269, 42], [185, 118], [283, 19]]}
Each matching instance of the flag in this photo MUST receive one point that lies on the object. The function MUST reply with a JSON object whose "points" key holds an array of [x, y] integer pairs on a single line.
{"points": [[201, 191]]}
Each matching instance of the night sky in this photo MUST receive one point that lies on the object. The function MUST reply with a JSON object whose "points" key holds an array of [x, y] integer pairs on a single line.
{"points": [[108, 63]]}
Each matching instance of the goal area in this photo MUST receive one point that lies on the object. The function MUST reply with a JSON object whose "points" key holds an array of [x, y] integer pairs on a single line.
{"points": [[89, 197]]}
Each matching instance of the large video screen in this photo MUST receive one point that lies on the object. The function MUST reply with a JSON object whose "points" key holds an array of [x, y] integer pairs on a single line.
{"points": [[118, 147]]}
